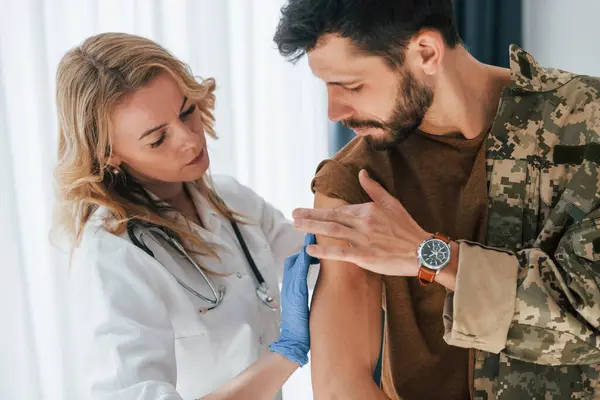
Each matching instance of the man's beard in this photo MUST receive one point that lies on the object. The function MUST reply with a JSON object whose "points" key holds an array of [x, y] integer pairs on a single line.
{"points": [[412, 102]]}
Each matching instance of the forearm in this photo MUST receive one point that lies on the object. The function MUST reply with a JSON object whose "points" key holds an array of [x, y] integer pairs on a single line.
{"points": [[261, 380], [337, 373]]}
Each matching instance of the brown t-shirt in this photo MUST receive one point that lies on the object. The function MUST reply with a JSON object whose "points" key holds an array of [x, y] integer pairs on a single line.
{"points": [[441, 182]]}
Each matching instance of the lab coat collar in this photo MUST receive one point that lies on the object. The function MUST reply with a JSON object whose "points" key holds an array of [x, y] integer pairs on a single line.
{"points": [[210, 218]]}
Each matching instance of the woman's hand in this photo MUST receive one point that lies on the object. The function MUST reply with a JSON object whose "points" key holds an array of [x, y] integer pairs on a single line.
{"points": [[294, 341], [264, 378]]}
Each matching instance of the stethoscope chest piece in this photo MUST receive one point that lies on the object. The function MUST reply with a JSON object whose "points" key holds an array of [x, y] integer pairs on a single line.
{"points": [[262, 292]]}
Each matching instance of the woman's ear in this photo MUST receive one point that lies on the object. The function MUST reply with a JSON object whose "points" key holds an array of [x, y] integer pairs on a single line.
{"points": [[114, 161]]}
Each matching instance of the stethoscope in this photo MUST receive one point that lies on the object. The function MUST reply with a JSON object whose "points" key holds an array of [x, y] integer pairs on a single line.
{"points": [[262, 290]]}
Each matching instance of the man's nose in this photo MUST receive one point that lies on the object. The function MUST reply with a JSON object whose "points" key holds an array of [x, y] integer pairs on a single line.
{"points": [[338, 110]]}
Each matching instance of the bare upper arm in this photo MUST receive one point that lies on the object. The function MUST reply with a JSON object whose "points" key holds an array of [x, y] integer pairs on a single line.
{"points": [[336, 273], [345, 323]]}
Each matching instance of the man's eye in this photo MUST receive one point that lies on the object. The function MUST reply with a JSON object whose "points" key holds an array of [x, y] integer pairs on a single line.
{"points": [[355, 89]]}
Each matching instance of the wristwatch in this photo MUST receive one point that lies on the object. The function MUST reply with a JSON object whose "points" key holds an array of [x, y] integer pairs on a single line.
{"points": [[434, 254]]}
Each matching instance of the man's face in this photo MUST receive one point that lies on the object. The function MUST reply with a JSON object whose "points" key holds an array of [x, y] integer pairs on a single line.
{"points": [[366, 94]]}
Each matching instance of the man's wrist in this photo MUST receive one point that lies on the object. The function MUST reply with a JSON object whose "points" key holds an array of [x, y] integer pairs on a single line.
{"points": [[447, 276]]}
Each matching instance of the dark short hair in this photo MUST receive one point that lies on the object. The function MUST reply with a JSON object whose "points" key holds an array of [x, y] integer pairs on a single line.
{"points": [[378, 27]]}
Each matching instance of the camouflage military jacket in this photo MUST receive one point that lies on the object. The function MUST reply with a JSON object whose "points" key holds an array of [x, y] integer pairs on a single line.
{"points": [[540, 338]]}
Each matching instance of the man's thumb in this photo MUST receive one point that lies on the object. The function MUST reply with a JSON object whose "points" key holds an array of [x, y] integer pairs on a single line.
{"points": [[375, 191]]}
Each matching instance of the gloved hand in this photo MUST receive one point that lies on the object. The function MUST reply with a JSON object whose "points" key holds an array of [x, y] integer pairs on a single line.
{"points": [[294, 341]]}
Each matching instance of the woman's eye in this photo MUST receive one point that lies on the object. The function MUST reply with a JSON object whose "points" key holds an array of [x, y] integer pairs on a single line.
{"points": [[187, 112], [160, 140]]}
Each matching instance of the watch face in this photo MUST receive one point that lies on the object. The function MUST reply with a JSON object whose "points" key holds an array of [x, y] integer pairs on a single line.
{"points": [[435, 254]]}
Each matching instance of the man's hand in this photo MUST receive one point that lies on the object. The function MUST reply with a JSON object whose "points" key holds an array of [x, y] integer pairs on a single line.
{"points": [[383, 237]]}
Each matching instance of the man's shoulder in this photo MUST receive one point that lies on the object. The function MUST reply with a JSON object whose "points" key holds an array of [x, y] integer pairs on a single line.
{"points": [[355, 151], [563, 115], [567, 89], [574, 107], [529, 76], [337, 176], [580, 90]]}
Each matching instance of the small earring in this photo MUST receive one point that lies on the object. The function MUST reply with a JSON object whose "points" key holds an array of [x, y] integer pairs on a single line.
{"points": [[116, 171]]}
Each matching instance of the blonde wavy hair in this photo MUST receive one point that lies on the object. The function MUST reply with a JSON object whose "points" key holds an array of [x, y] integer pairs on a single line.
{"points": [[91, 79]]}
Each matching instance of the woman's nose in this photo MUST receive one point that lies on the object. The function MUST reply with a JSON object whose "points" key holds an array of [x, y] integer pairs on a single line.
{"points": [[188, 139]]}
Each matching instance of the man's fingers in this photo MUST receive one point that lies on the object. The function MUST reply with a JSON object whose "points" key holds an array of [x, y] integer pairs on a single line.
{"points": [[356, 210], [337, 215], [329, 229], [376, 192]]}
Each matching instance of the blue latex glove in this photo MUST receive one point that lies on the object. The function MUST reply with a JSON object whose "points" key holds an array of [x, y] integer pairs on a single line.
{"points": [[294, 341]]}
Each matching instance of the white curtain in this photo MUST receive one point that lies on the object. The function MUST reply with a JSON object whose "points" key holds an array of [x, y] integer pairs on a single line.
{"points": [[271, 119]]}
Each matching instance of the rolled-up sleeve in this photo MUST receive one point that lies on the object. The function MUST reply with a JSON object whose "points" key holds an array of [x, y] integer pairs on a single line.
{"points": [[478, 314]]}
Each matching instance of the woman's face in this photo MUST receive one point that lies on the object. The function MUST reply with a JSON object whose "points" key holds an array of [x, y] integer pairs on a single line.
{"points": [[158, 134]]}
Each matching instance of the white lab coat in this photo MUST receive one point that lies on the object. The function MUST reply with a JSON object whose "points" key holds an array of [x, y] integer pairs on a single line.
{"points": [[139, 334]]}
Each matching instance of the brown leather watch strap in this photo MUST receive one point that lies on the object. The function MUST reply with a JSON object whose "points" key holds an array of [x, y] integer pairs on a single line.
{"points": [[425, 275], [442, 237]]}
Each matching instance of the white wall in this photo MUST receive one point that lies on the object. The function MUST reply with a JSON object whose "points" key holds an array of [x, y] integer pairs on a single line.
{"points": [[563, 34]]}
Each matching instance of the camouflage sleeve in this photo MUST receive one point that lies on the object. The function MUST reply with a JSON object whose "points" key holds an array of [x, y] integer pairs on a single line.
{"points": [[529, 305]]}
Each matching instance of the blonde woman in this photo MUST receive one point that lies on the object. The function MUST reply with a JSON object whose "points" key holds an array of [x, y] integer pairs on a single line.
{"points": [[174, 276]]}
